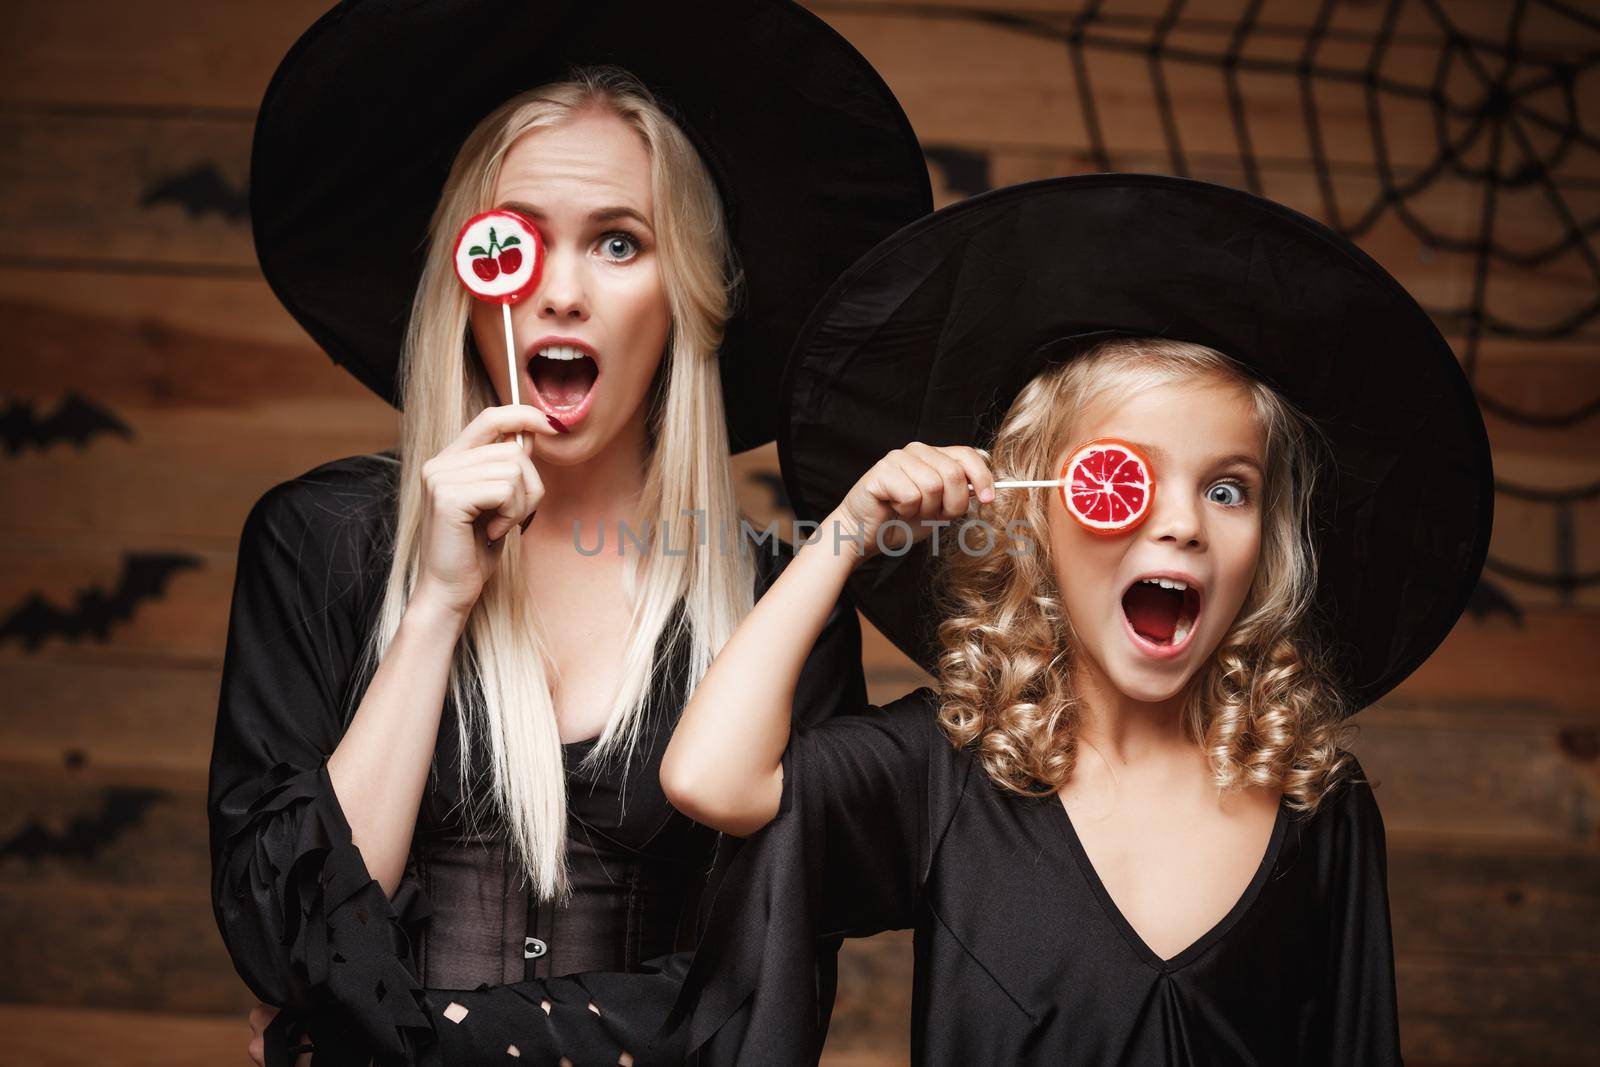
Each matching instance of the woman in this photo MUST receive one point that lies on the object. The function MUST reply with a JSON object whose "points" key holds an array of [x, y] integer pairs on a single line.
{"points": [[419, 713], [1122, 826]]}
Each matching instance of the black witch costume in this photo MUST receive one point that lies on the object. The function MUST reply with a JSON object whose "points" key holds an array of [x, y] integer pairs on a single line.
{"points": [[355, 137], [1021, 954]]}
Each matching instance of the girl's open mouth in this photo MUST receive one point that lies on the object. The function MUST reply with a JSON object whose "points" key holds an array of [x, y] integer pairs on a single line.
{"points": [[563, 378], [1160, 614]]}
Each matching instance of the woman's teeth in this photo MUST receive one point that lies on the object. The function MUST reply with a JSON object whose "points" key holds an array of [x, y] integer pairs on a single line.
{"points": [[562, 375]]}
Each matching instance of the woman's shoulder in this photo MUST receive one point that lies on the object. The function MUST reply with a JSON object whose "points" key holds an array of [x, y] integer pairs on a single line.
{"points": [[340, 487], [340, 510]]}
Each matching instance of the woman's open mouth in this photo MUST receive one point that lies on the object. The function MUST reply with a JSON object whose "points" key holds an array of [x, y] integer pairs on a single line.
{"points": [[1160, 615], [563, 378]]}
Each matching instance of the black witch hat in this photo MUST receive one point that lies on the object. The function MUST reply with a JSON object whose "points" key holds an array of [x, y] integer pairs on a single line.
{"points": [[812, 154], [932, 335]]}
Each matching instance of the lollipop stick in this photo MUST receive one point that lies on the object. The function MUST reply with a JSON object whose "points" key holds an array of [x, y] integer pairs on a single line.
{"points": [[1024, 484], [511, 361]]}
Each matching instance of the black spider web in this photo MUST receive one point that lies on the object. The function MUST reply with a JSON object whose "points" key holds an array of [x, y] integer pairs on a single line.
{"points": [[1503, 119]]}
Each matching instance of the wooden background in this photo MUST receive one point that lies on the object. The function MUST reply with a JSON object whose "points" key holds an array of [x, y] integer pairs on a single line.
{"points": [[151, 389]]}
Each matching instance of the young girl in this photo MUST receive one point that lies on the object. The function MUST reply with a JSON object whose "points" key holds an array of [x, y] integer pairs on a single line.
{"points": [[1122, 826], [436, 755]]}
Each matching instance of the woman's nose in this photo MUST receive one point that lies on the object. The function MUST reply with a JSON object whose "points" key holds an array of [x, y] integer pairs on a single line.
{"points": [[561, 292]]}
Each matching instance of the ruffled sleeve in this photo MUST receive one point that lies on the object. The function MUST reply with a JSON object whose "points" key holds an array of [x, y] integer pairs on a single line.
{"points": [[844, 857], [593, 1017], [307, 927], [1360, 1023], [831, 683]]}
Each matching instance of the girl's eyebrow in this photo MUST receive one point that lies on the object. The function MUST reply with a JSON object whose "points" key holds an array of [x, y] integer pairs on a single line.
{"points": [[1240, 458], [604, 214]]}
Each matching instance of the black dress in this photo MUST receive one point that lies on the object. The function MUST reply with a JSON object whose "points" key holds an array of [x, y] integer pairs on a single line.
{"points": [[1021, 956], [370, 977]]}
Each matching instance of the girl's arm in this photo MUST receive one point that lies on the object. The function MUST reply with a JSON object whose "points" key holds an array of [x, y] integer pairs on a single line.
{"points": [[723, 767]]}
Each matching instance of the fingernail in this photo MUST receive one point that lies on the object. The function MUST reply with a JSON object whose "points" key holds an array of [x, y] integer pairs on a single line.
{"points": [[558, 424], [529, 519]]}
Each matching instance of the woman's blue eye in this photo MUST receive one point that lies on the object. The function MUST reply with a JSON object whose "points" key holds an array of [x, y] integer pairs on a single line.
{"points": [[1241, 494], [619, 246]]}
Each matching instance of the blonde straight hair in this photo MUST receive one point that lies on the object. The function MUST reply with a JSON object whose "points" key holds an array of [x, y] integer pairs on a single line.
{"points": [[501, 673]]}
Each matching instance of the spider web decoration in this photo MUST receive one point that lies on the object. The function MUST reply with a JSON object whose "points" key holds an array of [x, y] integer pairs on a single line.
{"points": [[1506, 122]]}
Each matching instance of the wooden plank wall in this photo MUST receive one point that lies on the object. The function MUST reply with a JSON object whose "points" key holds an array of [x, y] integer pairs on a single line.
{"points": [[153, 389]]}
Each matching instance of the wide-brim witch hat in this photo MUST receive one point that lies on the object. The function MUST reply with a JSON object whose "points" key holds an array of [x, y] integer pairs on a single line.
{"points": [[931, 336], [813, 157]]}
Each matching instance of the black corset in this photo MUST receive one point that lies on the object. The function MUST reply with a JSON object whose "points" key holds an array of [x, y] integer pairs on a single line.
{"points": [[635, 864]]}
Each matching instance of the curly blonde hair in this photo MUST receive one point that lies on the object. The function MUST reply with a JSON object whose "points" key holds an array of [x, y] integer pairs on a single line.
{"points": [[1265, 705]]}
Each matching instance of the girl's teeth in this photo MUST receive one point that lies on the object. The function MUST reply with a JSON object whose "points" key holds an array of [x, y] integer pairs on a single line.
{"points": [[1181, 632], [1166, 583], [561, 352]]}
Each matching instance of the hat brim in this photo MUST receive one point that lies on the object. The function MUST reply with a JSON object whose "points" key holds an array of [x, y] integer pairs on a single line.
{"points": [[814, 158], [931, 335]]}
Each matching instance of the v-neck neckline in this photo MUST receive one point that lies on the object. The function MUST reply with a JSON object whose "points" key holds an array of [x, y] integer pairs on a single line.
{"points": [[1199, 945]]}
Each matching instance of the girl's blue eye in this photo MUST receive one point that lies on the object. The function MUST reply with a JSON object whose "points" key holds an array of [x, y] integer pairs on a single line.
{"points": [[1242, 495], [619, 246]]}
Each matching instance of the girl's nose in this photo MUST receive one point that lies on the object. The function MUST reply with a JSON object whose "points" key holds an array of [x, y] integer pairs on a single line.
{"points": [[1175, 517]]}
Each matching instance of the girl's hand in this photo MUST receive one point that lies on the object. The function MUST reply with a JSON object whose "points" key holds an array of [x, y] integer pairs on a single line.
{"points": [[914, 483], [473, 492]]}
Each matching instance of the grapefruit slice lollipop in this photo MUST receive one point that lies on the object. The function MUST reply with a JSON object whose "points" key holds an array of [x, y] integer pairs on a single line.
{"points": [[1107, 486], [499, 256]]}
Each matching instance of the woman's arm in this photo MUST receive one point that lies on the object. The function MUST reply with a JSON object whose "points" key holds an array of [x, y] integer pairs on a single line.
{"points": [[473, 492], [723, 767], [301, 914], [289, 889], [380, 765]]}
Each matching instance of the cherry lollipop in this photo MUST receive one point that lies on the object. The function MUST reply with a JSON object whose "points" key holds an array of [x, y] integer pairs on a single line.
{"points": [[499, 256], [1105, 484]]}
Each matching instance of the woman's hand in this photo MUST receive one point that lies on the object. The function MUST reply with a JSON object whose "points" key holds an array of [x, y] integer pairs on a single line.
{"points": [[915, 483], [261, 1017], [473, 492]]}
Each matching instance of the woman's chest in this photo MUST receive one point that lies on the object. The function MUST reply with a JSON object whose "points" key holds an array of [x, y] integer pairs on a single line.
{"points": [[585, 619]]}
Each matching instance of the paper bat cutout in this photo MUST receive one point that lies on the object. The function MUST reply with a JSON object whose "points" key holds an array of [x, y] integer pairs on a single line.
{"points": [[199, 190], [121, 809], [75, 420], [144, 577]]}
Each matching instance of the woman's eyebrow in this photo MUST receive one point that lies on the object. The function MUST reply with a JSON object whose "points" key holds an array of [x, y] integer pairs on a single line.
{"points": [[603, 214]]}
